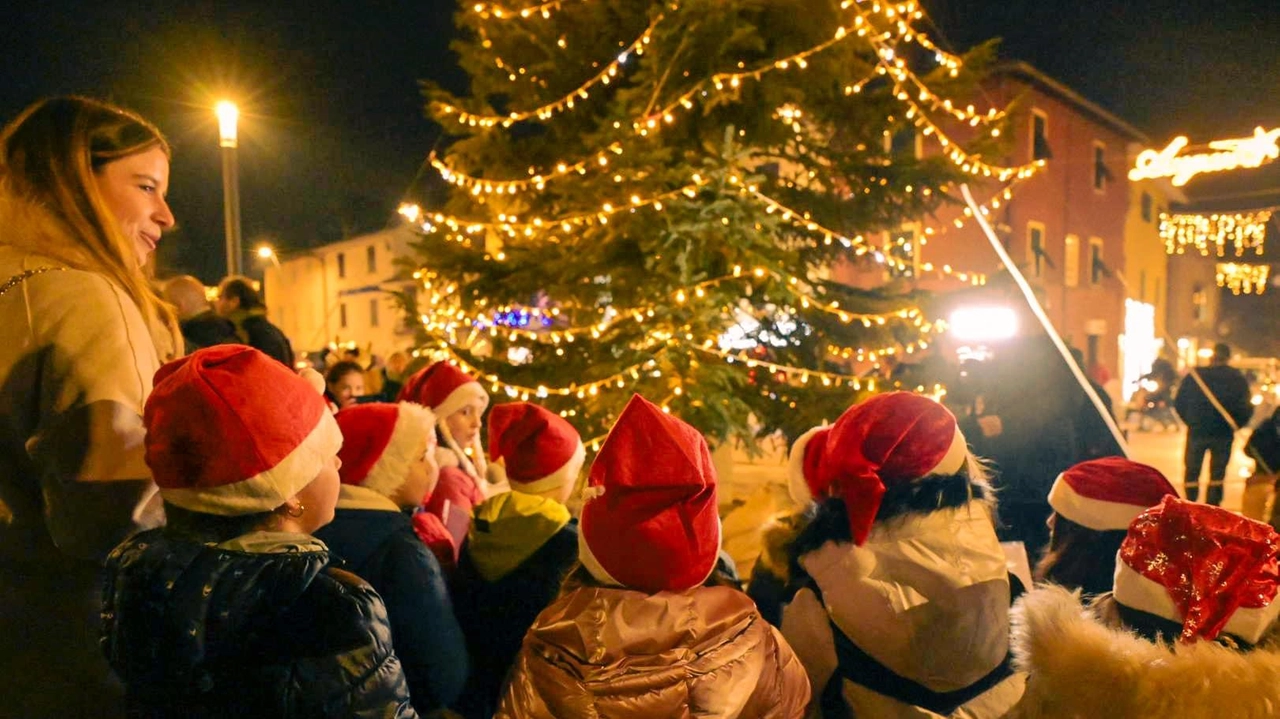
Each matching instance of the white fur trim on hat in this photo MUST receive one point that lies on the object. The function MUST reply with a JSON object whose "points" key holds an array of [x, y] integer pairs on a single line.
{"points": [[1095, 514], [353, 496], [271, 488], [566, 474], [797, 487], [459, 397], [406, 446], [1136, 591], [954, 459]]}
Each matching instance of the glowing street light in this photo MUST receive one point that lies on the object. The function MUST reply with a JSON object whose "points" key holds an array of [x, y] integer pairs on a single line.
{"points": [[267, 252], [983, 324], [228, 114]]}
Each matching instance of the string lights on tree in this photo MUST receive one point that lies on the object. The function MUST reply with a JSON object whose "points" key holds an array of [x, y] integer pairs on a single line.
{"points": [[656, 209]]}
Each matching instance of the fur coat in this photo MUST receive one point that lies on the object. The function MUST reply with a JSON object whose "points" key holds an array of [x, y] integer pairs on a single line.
{"points": [[1082, 663]]}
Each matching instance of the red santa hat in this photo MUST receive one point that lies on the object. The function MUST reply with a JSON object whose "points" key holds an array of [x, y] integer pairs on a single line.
{"points": [[1202, 566], [650, 521], [1109, 493], [231, 431], [892, 438], [442, 387], [381, 442], [537, 449]]}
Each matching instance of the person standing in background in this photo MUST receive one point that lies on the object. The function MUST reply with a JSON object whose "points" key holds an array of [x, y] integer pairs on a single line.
{"points": [[201, 326], [239, 302], [82, 204], [1208, 430]]}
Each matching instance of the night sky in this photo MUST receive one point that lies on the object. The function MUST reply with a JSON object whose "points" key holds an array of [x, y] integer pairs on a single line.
{"points": [[332, 132]]}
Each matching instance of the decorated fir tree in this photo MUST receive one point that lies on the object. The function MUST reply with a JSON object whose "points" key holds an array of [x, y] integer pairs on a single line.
{"points": [[650, 197]]}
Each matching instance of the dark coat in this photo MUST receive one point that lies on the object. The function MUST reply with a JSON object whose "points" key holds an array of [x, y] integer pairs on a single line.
{"points": [[196, 630], [1231, 389], [380, 546], [496, 614], [206, 330], [255, 330]]}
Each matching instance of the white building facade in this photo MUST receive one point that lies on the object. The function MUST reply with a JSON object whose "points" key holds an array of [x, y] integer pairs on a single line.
{"points": [[342, 294]]}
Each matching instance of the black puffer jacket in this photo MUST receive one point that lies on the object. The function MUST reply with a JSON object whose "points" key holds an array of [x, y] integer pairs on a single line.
{"points": [[196, 630]]}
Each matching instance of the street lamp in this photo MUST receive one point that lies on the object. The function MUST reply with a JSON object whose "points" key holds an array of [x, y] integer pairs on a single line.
{"points": [[228, 114], [267, 252]]}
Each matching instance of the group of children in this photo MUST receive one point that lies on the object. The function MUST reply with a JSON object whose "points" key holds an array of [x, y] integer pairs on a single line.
{"points": [[368, 564]]}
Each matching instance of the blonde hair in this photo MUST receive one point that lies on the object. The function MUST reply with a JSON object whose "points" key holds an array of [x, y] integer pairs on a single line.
{"points": [[49, 156]]}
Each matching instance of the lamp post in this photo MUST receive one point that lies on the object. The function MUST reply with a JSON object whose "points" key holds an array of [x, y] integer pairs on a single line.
{"points": [[228, 114]]}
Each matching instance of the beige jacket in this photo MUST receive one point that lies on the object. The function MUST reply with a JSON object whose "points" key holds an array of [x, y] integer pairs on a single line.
{"points": [[621, 654], [76, 362]]}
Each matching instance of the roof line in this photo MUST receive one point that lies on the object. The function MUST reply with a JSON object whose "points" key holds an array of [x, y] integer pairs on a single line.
{"points": [[1029, 72]]}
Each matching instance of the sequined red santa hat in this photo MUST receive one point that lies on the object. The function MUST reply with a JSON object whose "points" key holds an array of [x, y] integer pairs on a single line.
{"points": [[536, 449], [888, 439], [1204, 567], [381, 441], [650, 520], [446, 389], [231, 431], [1107, 494]]}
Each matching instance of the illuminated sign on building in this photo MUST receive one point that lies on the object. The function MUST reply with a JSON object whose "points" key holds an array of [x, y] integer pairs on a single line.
{"points": [[1242, 152]]}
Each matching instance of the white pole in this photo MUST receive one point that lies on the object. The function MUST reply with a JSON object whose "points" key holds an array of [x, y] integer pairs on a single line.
{"points": [[1038, 311]]}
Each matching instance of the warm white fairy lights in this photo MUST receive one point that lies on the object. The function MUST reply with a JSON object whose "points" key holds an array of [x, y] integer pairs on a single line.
{"points": [[494, 11], [568, 102], [1240, 277], [537, 180], [1213, 233]]}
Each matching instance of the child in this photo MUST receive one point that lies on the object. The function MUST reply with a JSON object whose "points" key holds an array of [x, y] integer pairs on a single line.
{"points": [[388, 466], [521, 545], [635, 633], [458, 402], [1093, 504], [1189, 631], [905, 608], [232, 609]]}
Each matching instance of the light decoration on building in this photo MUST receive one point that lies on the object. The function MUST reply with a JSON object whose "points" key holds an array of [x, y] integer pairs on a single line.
{"points": [[1240, 277], [1242, 152], [1212, 234]]}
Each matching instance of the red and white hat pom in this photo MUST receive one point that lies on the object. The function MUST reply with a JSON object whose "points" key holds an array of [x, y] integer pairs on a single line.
{"points": [[1204, 567], [535, 448], [381, 442], [1109, 493], [650, 521], [231, 431], [891, 438]]}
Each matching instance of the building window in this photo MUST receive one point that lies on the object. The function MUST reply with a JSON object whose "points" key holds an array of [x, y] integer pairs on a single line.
{"points": [[1146, 206], [371, 257], [904, 143], [1142, 286], [1071, 261], [342, 314], [1199, 304], [1100, 172], [373, 312], [1036, 255], [1040, 136], [342, 265], [1097, 269]]}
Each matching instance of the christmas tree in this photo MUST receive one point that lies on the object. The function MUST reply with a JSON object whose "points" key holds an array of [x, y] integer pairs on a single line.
{"points": [[650, 197]]}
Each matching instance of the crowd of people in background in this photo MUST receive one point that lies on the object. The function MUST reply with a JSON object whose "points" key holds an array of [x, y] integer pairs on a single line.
{"points": [[192, 526]]}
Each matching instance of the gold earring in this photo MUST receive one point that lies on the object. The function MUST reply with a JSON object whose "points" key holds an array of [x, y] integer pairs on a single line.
{"points": [[297, 511]]}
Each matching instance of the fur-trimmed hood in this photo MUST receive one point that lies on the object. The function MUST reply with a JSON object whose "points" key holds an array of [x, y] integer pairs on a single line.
{"points": [[1081, 663]]}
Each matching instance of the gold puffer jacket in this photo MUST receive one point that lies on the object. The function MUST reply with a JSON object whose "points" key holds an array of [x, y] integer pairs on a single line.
{"points": [[617, 653]]}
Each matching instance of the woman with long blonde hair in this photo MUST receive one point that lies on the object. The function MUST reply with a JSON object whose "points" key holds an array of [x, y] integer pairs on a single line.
{"points": [[82, 207]]}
